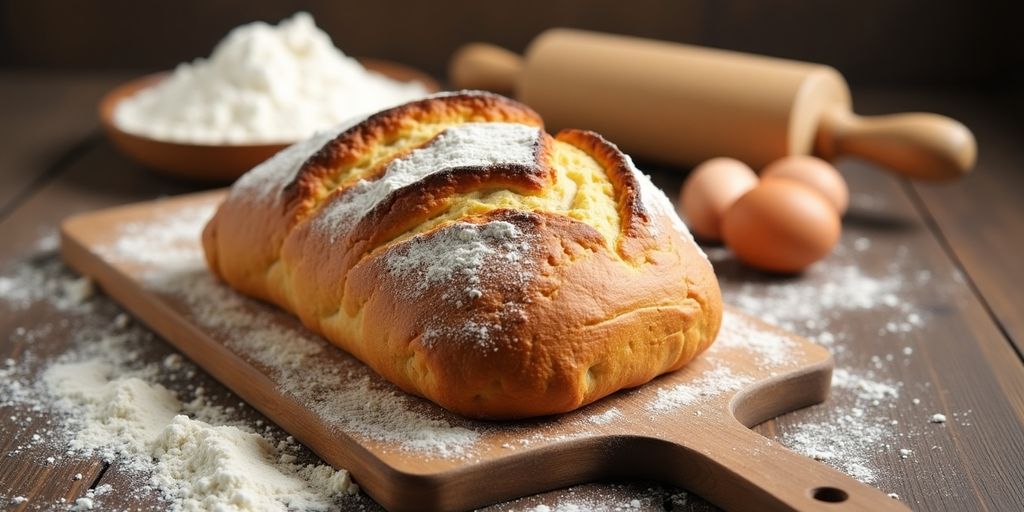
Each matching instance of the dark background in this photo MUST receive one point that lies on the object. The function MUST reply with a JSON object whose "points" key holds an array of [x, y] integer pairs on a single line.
{"points": [[937, 44]]}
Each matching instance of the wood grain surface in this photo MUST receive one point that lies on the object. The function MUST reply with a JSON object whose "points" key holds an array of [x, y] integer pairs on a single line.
{"points": [[961, 236]]}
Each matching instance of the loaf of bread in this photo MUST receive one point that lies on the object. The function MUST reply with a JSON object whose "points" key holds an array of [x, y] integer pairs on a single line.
{"points": [[471, 258]]}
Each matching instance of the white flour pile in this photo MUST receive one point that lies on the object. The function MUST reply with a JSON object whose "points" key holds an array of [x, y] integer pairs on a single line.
{"points": [[262, 84], [26, 285], [129, 418]]}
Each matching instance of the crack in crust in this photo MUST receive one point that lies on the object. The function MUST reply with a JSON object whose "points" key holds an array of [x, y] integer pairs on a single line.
{"points": [[602, 293], [635, 219], [409, 206], [324, 167]]}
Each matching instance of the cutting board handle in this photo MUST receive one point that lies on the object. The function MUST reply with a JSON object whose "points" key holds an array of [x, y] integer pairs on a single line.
{"points": [[917, 145], [738, 469], [485, 66]]}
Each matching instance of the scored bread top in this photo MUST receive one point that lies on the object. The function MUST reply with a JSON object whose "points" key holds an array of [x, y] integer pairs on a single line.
{"points": [[471, 258]]}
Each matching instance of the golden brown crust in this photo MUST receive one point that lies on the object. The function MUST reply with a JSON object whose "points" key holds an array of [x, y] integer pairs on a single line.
{"points": [[570, 319], [619, 169], [353, 144]]}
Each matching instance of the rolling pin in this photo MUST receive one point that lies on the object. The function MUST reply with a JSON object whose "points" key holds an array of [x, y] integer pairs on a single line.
{"points": [[683, 104]]}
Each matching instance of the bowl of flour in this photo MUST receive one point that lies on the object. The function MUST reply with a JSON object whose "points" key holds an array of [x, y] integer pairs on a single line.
{"points": [[262, 88]]}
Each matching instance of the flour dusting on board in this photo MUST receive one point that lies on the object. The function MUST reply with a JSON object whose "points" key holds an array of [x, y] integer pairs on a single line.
{"points": [[772, 350], [606, 417], [331, 383], [345, 393], [710, 384], [174, 245]]}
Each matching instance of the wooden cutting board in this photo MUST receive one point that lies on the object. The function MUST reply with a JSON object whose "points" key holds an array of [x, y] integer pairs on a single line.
{"points": [[689, 428]]}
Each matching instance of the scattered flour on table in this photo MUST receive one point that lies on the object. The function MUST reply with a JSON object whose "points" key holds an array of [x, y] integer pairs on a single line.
{"points": [[864, 387], [26, 285], [610, 497], [829, 290], [120, 414], [262, 84], [101, 401], [89, 501], [856, 427], [851, 435], [847, 440]]}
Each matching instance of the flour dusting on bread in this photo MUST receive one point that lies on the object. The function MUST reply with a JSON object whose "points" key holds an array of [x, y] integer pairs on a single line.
{"points": [[655, 200], [273, 175], [467, 145], [459, 253]]}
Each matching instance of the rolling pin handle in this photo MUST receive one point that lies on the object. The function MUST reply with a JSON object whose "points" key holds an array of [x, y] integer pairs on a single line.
{"points": [[917, 145], [485, 66]]}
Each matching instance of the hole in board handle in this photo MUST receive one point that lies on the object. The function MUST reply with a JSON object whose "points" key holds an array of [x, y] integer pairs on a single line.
{"points": [[829, 494]]}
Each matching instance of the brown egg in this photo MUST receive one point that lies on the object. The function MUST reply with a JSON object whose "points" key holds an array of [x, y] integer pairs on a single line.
{"points": [[710, 190], [814, 172], [781, 226]]}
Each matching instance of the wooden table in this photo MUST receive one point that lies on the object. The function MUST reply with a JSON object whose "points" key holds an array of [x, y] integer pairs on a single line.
{"points": [[962, 358]]}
